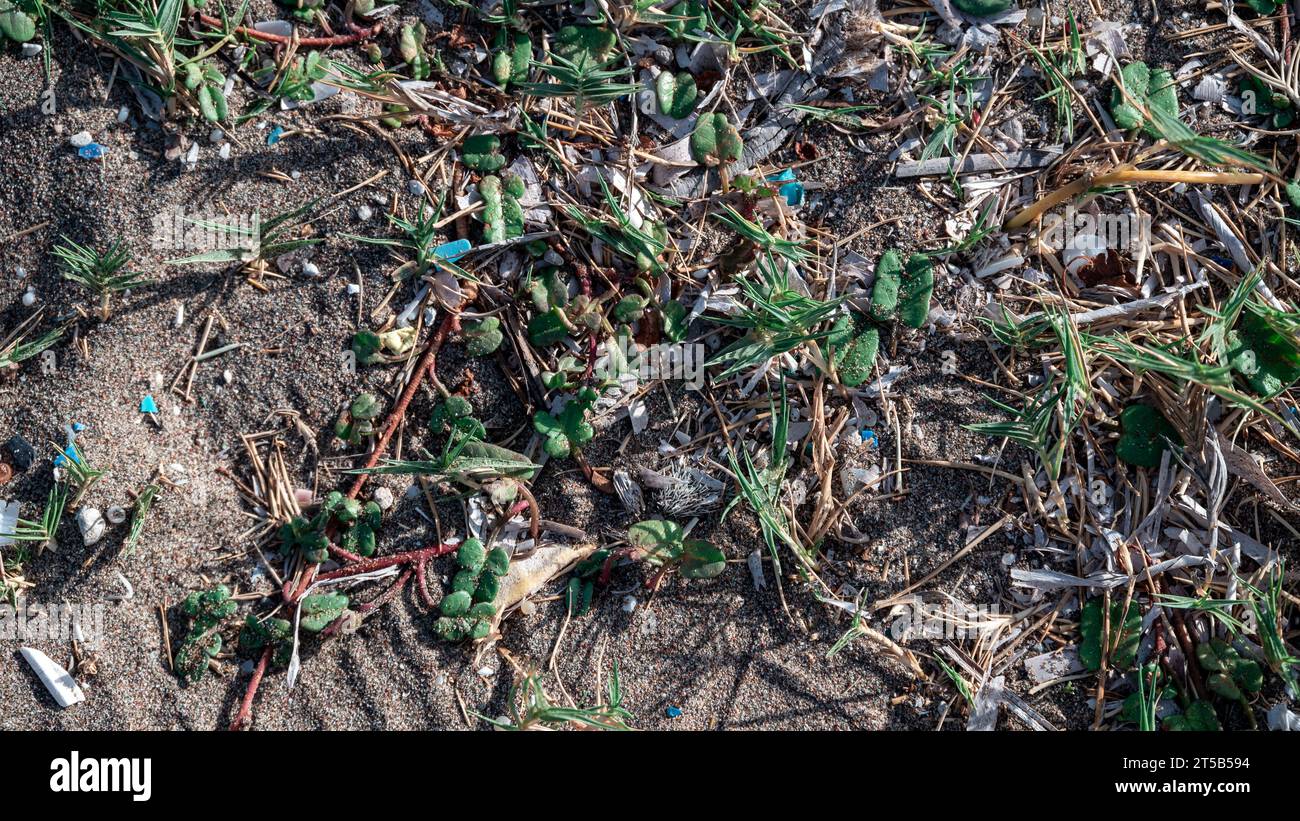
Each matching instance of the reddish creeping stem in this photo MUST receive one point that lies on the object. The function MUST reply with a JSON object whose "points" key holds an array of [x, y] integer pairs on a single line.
{"points": [[358, 34]]}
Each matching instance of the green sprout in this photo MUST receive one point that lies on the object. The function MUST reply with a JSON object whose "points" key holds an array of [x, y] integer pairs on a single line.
{"points": [[676, 94], [661, 543], [482, 152], [715, 141], [482, 337], [410, 44], [514, 53], [503, 217], [539, 713], [358, 422], [1145, 435], [98, 271]]}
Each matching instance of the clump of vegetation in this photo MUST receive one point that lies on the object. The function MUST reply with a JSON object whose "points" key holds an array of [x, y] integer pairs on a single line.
{"points": [[318, 611], [357, 423], [1143, 90], [1264, 349], [531, 708], [101, 272], [482, 152], [357, 523], [1121, 642], [854, 341], [257, 634], [207, 84], [715, 141], [1231, 676], [410, 44], [663, 544], [371, 348], [15, 22], [503, 218], [512, 56], [208, 612], [482, 337], [467, 611], [565, 434]]}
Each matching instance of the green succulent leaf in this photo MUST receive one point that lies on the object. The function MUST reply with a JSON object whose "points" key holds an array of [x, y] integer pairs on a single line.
{"points": [[1124, 637], [676, 94], [1144, 434], [701, 560], [482, 152], [318, 611], [1148, 89], [715, 141], [483, 337], [888, 284]]}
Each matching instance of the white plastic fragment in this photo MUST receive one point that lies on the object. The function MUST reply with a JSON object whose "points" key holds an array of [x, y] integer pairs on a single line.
{"points": [[57, 680], [8, 521]]}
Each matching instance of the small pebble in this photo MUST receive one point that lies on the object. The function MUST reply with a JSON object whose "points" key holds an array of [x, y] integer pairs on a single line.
{"points": [[115, 514], [123, 114], [92, 525], [383, 497], [413, 491], [353, 288], [29, 298], [309, 269], [179, 318], [416, 188], [227, 376], [629, 604], [31, 49], [296, 174], [81, 139], [303, 496], [20, 272], [224, 153], [216, 135], [486, 671], [364, 213]]}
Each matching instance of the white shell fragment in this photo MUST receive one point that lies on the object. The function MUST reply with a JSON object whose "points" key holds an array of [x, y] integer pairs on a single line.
{"points": [[58, 681]]}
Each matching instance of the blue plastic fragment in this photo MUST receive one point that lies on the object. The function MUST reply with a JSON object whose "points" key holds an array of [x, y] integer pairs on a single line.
{"points": [[673, 712], [451, 250], [78, 427], [792, 190], [274, 137], [147, 405], [92, 151], [869, 435]]}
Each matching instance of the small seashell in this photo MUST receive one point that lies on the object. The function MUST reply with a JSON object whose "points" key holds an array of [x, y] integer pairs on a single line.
{"points": [[58, 681], [115, 514]]}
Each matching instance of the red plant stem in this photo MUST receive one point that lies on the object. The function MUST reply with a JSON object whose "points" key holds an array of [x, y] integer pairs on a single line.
{"points": [[389, 594], [426, 364], [358, 34], [246, 706], [380, 562], [422, 584]]}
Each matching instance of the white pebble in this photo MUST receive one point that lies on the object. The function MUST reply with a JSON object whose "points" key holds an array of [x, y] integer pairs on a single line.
{"points": [[116, 514], [29, 298], [486, 671], [364, 213], [416, 188], [20, 272], [354, 288], [123, 114], [92, 525], [179, 319], [629, 604], [227, 376], [413, 491], [216, 135], [81, 139], [296, 174], [309, 269], [224, 153], [31, 49], [383, 497]]}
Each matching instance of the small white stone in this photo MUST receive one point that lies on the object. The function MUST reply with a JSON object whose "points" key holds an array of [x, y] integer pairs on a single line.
{"points": [[486, 671], [416, 188], [224, 153], [383, 497], [296, 174], [192, 156], [20, 272], [216, 135], [115, 514], [81, 139], [29, 298], [379, 198], [123, 114], [92, 525], [629, 604], [364, 213], [354, 288], [227, 376], [179, 318], [31, 49], [309, 269]]}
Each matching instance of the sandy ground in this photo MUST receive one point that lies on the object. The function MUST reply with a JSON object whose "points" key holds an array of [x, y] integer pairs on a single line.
{"points": [[725, 654]]}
